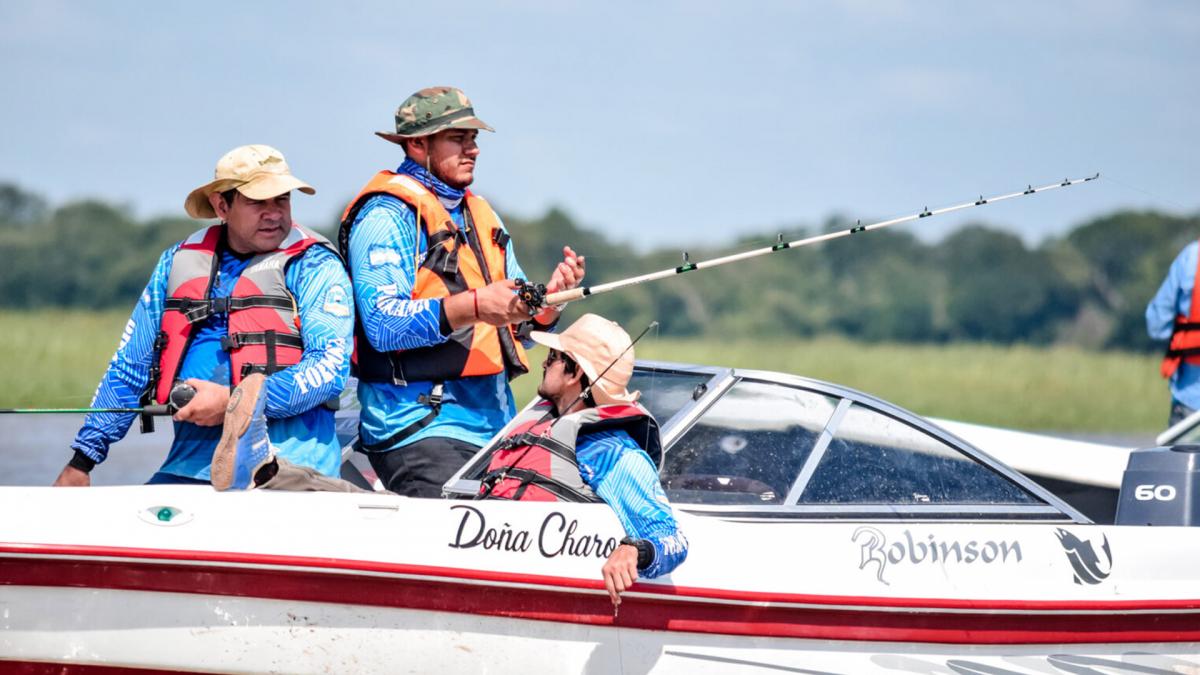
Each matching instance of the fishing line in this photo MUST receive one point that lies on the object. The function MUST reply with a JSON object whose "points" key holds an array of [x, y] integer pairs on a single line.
{"points": [[1135, 188]]}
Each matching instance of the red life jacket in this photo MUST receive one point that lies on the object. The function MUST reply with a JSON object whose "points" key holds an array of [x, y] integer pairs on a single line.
{"points": [[536, 460], [1185, 341], [453, 264], [264, 323]]}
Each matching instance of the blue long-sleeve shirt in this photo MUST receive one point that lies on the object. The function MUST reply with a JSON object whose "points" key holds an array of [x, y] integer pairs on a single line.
{"points": [[301, 429], [386, 246], [616, 468], [1174, 298]]}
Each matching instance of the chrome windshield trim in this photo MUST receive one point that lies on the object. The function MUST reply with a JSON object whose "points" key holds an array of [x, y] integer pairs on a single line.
{"points": [[818, 451]]}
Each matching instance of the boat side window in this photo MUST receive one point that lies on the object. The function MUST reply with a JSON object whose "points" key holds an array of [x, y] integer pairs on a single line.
{"points": [[666, 393], [877, 459], [748, 447]]}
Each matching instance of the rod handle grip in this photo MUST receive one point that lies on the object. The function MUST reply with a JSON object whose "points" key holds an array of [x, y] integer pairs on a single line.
{"points": [[569, 295]]}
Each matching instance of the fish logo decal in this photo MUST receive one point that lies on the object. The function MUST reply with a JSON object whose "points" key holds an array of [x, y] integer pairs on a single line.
{"points": [[1081, 553]]}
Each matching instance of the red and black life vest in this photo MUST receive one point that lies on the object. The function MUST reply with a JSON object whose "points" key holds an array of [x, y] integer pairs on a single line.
{"points": [[536, 460], [264, 322], [455, 262], [1185, 341]]}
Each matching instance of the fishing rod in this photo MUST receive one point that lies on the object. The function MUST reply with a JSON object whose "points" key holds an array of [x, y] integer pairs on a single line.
{"points": [[536, 297], [181, 395]]}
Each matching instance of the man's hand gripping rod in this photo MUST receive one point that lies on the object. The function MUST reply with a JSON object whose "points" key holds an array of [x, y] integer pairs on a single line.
{"points": [[536, 297]]}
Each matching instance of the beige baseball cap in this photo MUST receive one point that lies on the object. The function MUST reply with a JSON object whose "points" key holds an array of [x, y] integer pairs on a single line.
{"points": [[257, 171], [596, 344]]}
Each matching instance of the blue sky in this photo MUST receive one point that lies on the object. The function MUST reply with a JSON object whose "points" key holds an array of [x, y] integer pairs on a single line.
{"points": [[664, 123]]}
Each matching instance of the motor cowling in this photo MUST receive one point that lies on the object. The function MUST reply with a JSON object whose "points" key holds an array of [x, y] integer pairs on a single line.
{"points": [[1161, 486]]}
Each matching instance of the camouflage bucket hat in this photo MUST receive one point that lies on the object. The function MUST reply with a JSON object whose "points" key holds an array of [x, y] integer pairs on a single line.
{"points": [[432, 110]]}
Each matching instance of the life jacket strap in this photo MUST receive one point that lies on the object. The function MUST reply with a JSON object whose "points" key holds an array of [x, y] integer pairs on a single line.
{"points": [[196, 310], [526, 478], [237, 340], [549, 443], [433, 400], [1183, 353]]}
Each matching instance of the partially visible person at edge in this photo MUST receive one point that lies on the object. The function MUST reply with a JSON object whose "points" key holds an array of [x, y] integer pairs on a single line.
{"points": [[587, 440], [255, 293], [439, 331], [1173, 314]]}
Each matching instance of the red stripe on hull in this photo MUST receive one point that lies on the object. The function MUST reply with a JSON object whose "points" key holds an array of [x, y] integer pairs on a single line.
{"points": [[564, 602]]}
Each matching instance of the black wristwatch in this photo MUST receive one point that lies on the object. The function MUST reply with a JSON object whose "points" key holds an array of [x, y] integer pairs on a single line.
{"points": [[644, 548]]}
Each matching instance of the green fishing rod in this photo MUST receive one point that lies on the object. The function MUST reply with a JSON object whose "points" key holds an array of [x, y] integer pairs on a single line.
{"points": [[181, 395]]}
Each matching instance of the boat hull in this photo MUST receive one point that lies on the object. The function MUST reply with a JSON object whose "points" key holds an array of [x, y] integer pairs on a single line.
{"points": [[370, 583], [207, 633]]}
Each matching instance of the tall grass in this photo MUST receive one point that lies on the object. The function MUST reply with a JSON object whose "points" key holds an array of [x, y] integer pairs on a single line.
{"points": [[55, 358], [1035, 388]]}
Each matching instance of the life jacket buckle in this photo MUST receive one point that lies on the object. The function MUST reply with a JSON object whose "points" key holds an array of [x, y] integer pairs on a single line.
{"points": [[434, 398], [194, 310], [218, 305], [231, 342], [500, 238]]}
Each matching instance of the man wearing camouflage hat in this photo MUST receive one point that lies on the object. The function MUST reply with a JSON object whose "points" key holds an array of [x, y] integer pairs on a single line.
{"points": [[255, 301], [439, 327]]}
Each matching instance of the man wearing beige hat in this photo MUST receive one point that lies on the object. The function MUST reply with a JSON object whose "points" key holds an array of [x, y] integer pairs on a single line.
{"points": [[255, 300], [588, 440], [439, 326]]}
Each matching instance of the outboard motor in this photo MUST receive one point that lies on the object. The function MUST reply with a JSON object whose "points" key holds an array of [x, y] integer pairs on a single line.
{"points": [[1161, 487]]}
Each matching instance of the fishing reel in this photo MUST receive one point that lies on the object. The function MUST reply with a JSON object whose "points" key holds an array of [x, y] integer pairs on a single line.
{"points": [[181, 395], [532, 294]]}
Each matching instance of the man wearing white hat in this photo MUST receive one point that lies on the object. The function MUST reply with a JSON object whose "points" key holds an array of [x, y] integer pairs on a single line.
{"points": [[255, 301]]}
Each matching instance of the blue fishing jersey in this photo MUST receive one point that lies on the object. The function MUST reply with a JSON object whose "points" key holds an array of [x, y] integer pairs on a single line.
{"points": [[300, 427]]}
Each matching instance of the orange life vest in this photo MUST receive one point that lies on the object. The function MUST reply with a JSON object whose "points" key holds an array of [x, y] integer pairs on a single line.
{"points": [[455, 262], [1185, 341], [264, 325]]}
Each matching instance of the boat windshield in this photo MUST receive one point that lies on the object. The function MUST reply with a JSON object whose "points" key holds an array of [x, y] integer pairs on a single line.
{"points": [[665, 393], [876, 459], [748, 447], [774, 443]]}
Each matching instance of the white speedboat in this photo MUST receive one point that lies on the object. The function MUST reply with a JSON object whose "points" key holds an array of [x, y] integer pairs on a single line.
{"points": [[830, 532]]}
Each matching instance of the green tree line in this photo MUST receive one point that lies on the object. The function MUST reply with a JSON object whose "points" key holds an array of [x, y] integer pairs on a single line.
{"points": [[1088, 287]]}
